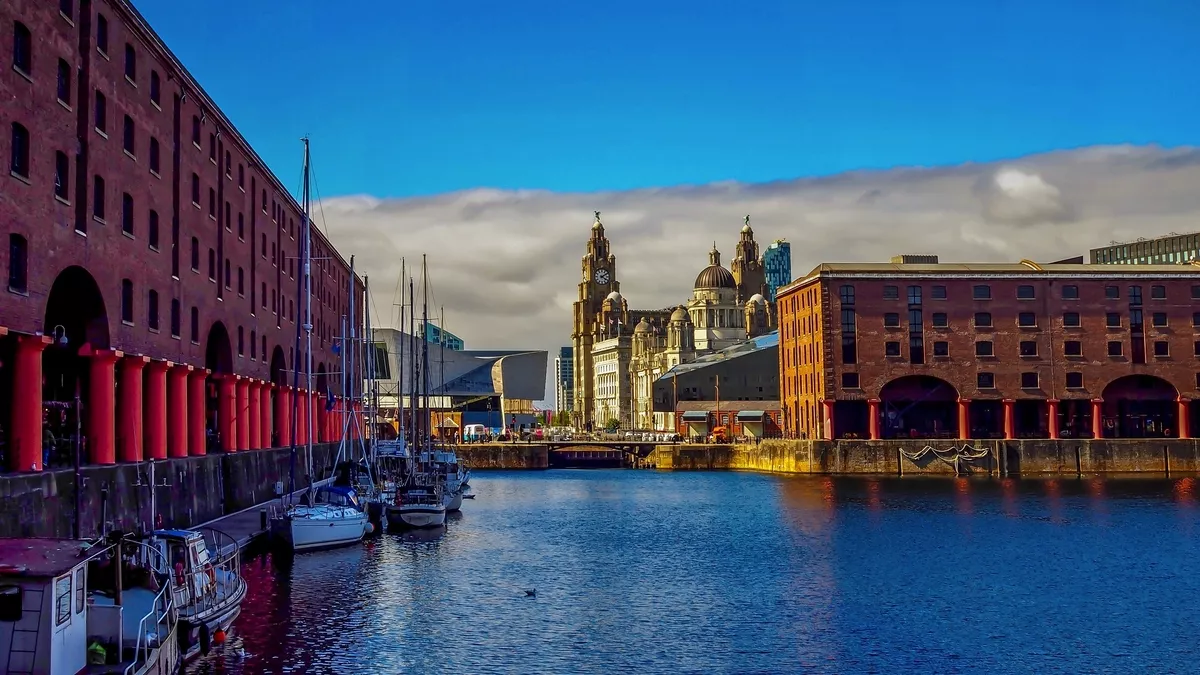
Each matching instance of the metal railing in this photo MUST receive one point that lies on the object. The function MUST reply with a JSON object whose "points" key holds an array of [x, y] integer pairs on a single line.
{"points": [[161, 617], [224, 568]]}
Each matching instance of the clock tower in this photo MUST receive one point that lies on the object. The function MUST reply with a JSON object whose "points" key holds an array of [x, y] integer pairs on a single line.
{"points": [[599, 267]]}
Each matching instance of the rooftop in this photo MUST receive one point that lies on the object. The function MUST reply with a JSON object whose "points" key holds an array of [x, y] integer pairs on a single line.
{"points": [[1023, 268], [750, 346], [43, 557]]}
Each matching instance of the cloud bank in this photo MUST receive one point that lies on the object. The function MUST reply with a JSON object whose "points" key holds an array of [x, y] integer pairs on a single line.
{"points": [[506, 264]]}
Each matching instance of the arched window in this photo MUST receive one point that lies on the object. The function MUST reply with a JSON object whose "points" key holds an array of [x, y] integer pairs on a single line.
{"points": [[20, 150], [195, 254], [127, 301]]}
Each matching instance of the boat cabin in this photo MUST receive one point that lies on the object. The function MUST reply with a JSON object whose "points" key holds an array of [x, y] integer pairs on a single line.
{"points": [[53, 614], [337, 495]]}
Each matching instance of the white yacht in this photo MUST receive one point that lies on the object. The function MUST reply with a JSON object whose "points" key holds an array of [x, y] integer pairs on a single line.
{"points": [[333, 518]]}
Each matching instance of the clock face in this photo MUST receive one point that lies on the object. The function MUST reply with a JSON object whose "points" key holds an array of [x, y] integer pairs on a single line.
{"points": [[601, 276]]}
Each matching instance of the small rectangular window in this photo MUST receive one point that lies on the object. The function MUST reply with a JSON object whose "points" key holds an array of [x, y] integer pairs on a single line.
{"points": [[22, 48], [130, 63], [941, 348], [891, 292], [62, 600], [1158, 292], [985, 380], [62, 176], [1112, 293], [846, 295], [1159, 319], [850, 380], [1074, 380], [983, 319], [984, 348], [1161, 348], [1071, 319], [1112, 319], [1196, 319], [981, 292], [98, 198], [940, 320], [1070, 292], [127, 213], [152, 230], [20, 151], [1027, 320], [102, 33], [1029, 380], [938, 293], [914, 295], [1073, 348], [18, 263], [1114, 348], [891, 320], [101, 113], [128, 136], [152, 310], [891, 348], [155, 88], [127, 300], [1029, 348], [1196, 292], [1025, 293], [1196, 347], [64, 82]]}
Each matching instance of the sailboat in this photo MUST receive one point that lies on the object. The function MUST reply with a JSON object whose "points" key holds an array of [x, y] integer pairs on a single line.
{"points": [[419, 502], [451, 472], [331, 515]]}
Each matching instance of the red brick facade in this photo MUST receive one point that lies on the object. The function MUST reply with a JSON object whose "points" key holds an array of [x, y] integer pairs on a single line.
{"points": [[146, 240], [250, 223], [1057, 334]]}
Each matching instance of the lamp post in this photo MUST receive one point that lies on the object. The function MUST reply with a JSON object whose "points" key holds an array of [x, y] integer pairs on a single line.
{"points": [[59, 334]]}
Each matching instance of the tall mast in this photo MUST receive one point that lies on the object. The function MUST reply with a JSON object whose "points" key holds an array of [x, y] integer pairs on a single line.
{"points": [[308, 327], [425, 343], [300, 285], [351, 362], [400, 389], [368, 369], [442, 365], [412, 381]]}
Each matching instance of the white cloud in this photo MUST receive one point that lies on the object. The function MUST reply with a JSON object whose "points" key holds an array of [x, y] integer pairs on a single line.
{"points": [[506, 264]]}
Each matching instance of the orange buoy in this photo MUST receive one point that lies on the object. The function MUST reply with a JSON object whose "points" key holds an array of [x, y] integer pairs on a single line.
{"points": [[219, 636]]}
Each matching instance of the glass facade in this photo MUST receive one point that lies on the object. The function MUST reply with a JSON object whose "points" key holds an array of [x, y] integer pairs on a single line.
{"points": [[564, 384], [436, 335], [1172, 249], [777, 262]]}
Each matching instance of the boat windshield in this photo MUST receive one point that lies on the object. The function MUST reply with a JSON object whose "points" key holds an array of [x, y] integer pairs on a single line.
{"points": [[337, 498]]}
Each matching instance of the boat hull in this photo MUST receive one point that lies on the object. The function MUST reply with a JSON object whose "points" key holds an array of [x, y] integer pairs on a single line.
{"points": [[416, 516], [304, 534], [454, 501]]}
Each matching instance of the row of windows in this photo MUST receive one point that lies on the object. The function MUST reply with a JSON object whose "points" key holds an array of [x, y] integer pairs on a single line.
{"points": [[1161, 249], [1026, 348], [846, 293], [1028, 319], [987, 380], [153, 321]]}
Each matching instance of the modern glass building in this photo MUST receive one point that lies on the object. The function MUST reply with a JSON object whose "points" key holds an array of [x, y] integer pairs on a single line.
{"points": [[434, 334], [1173, 248], [777, 262], [564, 383]]}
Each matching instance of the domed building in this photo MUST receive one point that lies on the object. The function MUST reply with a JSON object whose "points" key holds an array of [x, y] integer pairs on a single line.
{"points": [[717, 317], [620, 353]]}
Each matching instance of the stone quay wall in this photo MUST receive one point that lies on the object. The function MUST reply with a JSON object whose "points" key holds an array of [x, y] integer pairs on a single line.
{"points": [[187, 492], [1003, 457], [504, 455]]}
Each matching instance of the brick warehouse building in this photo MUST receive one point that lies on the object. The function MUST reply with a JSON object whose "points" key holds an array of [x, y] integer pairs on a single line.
{"points": [[152, 258], [990, 351]]}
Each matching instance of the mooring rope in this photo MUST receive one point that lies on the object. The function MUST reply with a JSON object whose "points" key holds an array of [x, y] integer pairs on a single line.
{"points": [[951, 457]]}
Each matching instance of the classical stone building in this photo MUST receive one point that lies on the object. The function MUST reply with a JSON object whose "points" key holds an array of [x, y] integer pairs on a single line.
{"points": [[620, 352]]}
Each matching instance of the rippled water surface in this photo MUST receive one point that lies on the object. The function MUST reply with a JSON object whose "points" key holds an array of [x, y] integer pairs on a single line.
{"points": [[645, 572]]}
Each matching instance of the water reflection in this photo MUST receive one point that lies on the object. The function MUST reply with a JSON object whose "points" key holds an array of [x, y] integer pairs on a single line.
{"points": [[719, 572]]}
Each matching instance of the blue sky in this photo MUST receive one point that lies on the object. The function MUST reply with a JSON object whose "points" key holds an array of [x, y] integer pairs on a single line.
{"points": [[428, 96]]}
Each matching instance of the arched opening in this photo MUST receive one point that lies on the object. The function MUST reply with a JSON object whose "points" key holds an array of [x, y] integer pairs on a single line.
{"points": [[918, 406], [1140, 406], [278, 366], [75, 316], [218, 358]]}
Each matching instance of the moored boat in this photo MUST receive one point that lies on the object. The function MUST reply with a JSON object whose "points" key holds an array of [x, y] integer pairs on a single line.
{"points": [[68, 611], [417, 507], [204, 569], [334, 518]]}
